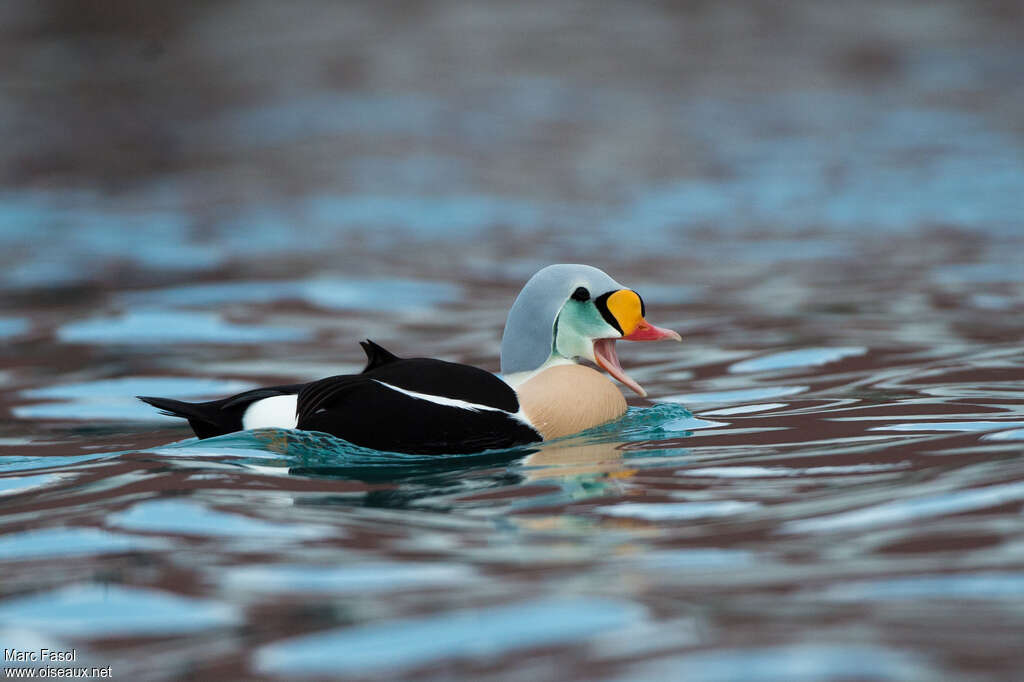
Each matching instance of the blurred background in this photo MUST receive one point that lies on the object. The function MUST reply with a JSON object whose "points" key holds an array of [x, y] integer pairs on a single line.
{"points": [[185, 140], [824, 198]]}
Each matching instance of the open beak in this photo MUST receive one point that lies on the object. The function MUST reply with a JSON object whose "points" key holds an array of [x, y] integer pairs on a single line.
{"points": [[645, 331], [626, 308], [606, 357]]}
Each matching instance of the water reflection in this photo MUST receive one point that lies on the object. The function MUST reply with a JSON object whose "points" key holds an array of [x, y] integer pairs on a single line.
{"points": [[487, 633], [333, 293], [57, 542], [902, 511], [185, 517], [661, 502], [793, 663], [734, 396], [165, 326], [804, 357], [363, 577], [678, 511], [13, 326], [114, 399], [90, 610]]}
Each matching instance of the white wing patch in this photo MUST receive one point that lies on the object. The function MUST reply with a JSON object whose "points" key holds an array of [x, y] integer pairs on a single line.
{"points": [[440, 399], [277, 411], [454, 402]]}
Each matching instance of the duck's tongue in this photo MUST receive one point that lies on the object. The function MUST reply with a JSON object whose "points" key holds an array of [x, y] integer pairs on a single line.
{"points": [[605, 356]]}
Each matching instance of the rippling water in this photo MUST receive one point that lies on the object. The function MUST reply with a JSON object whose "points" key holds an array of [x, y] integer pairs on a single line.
{"points": [[827, 481]]}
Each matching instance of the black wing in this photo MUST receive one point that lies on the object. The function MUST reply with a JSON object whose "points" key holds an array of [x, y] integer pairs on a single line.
{"points": [[363, 409]]}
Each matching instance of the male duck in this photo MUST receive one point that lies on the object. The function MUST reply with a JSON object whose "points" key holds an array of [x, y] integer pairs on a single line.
{"points": [[426, 406]]}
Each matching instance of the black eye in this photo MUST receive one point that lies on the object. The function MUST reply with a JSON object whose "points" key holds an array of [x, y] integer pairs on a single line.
{"points": [[581, 294]]}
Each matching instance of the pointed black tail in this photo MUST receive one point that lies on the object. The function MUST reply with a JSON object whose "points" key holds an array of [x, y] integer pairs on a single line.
{"points": [[206, 419], [218, 417]]}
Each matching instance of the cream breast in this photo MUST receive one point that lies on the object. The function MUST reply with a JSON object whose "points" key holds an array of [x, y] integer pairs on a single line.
{"points": [[566, 399]]}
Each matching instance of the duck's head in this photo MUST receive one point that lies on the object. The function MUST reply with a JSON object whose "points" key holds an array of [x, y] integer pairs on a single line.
{"points": [[567, 312]]}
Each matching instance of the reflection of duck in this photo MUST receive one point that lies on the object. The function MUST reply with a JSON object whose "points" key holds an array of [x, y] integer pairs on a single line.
{"points": [[568, 459], [426, 406]]}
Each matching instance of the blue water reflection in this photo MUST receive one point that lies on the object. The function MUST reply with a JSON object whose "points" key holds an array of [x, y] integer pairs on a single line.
{"points": [[167, 326], [804, 357], [916, 508], [979, 585], [485, 632], [734, 396], [57, 542], [107, 610], [10, 485], [368, 576], [327, 292], [678, 511], [182, 516], [13, 326], [810, 662], [114, 399]]}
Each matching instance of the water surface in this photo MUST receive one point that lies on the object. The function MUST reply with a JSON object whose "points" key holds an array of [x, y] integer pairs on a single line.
{"points": [[826, 482]]}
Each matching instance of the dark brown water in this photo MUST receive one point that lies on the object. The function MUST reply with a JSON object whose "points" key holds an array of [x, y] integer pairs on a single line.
{"points": [[827, 481]]}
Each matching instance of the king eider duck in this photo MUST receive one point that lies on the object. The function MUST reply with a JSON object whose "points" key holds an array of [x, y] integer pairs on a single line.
{"points": [[425, 406]]}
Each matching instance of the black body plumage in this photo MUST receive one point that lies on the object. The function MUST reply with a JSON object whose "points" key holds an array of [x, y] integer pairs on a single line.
{"points": [[374, 409]]}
